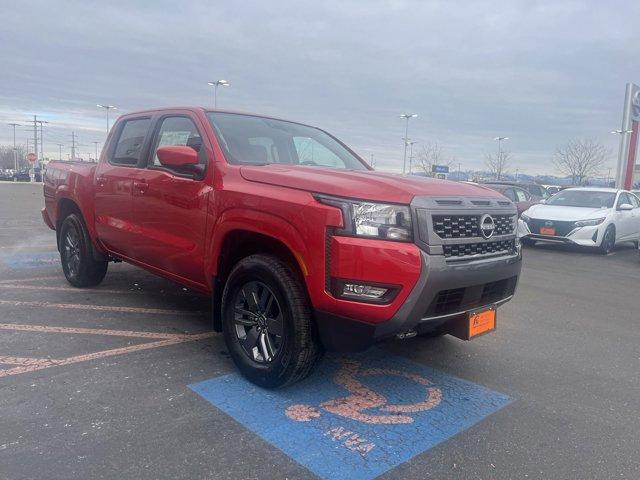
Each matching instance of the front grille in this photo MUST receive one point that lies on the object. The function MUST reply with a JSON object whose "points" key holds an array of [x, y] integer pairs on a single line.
{"points": [[562, 228], [467, 226], [461, 299], [481, 248]]}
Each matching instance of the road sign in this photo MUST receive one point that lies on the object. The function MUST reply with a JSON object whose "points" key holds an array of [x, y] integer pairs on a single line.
{"points": [[440, 168], [31, 157]]}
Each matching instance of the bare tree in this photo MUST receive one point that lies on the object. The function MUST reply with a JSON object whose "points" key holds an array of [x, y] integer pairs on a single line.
{"points": [[498, 163], [581, 159], [432, 154]]}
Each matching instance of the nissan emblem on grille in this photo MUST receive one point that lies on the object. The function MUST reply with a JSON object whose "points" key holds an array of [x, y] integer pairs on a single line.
{"points": [[487, 225]]}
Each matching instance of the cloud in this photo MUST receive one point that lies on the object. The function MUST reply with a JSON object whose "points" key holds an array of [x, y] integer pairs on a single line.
{"points": [[538, 72]]}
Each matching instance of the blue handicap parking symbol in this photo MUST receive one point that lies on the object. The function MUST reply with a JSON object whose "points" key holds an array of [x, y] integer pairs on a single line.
{"points": [[31, 259], [358, 416]]}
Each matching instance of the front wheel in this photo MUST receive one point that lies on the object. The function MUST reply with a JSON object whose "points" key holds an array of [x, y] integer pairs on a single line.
{"points": [[76, 254], [608, 240], [268, 323]]}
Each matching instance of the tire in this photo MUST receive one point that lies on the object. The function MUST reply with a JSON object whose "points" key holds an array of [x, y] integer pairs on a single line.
{"points": [[528, 242], [268, 323], [76, 254], [608, 240]]}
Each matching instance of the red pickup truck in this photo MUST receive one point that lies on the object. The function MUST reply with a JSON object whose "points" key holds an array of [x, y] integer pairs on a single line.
{"points": [[300, 244]]}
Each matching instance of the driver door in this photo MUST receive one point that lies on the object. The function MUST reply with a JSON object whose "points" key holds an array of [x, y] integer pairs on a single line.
{"points": [[170, 204]]}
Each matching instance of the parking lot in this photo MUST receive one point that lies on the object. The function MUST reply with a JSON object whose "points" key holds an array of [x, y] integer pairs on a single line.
{"points": [[126, 380]]}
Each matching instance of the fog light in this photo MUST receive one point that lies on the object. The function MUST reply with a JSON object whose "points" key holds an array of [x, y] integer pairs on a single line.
{"points": [[363, 292]]}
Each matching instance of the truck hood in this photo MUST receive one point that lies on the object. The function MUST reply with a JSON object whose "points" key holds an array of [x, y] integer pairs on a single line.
{"points": [[361, 184], [555, 212]]}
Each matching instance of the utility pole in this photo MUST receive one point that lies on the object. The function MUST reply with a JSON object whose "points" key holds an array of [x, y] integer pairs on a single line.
{"points": [[60, 145], [96, 144], [15, 151]]}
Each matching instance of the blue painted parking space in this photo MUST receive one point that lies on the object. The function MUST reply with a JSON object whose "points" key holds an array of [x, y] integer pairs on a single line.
{"points": [[21, 260], [357, 416]]}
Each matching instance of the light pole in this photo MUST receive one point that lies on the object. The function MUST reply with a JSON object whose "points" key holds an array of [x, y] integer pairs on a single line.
{"points": [[107, 108], [406, 116], [215, 86], [60, 145], [15, 151], [500, 139], [96, 144], [411, 144]]}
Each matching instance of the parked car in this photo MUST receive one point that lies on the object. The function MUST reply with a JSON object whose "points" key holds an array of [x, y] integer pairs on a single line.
{"points": [[538, 191], [522, 198], [6, 175], [592, 217], [24, 175], [300, 244]]}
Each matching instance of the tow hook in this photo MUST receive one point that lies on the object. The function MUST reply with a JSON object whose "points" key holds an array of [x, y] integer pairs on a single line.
{"points": [[407, 334]]}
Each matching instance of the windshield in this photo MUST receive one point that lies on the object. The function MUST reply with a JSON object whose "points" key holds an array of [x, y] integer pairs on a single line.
{"points": [[583, 198], [251, 140]]}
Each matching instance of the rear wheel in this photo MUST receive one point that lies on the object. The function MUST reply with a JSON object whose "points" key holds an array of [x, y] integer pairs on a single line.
{"points": [[267, 322], [76, 254], [608, 240]]}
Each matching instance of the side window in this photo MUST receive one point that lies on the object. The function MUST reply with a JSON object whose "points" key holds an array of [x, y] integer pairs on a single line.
{"points": [[521, 195], [129, 147], [177, 131], [509, 194], [312, 152], [623, 198]]}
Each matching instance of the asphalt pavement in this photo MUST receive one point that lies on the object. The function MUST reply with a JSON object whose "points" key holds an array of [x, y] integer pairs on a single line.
{"points": [[127, 381]]}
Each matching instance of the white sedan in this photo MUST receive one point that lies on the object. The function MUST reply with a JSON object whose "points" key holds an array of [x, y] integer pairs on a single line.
{"points": [[591, 217]]}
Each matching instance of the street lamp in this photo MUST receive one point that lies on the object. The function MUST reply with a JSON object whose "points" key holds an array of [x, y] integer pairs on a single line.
{"points": [[107, 108], [411, 144], [406, 116], [215, 86]]}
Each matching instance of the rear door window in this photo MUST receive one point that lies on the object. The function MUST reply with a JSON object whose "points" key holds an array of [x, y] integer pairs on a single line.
{"points": [[128, 150]]}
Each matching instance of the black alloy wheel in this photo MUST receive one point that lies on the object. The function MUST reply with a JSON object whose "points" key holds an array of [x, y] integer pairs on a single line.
{"points": [[259, 323]]}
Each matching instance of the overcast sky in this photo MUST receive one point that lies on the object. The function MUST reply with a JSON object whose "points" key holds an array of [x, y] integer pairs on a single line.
{"points": [[537, 72]]}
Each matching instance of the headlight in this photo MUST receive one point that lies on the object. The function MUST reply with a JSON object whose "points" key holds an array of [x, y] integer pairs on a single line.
{"points": [[525, 218], [374, 220], [589, 223]]}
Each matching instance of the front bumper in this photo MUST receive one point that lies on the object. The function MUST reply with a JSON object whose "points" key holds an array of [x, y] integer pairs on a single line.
{"points": [[445, 291], [583, 236]]}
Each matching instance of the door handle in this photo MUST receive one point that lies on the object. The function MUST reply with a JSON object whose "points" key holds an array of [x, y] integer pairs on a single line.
{"points": [[140, 185], [101, 181]]}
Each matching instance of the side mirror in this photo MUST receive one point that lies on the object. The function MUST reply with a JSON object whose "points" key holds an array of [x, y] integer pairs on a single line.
{"points": [[625, 207], [177, 156], [543, 201]]}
